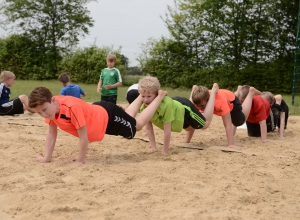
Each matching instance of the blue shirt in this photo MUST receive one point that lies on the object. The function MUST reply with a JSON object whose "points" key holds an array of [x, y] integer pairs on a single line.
{"points": [[72, 90], [4, 94]]}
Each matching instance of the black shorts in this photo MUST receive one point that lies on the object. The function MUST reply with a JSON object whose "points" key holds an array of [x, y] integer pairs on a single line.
{"points": [[132, 95], [111, 99], [277, 111], [119, 122], [12, 107], [254, 129], [192, 116], [237, 116]]}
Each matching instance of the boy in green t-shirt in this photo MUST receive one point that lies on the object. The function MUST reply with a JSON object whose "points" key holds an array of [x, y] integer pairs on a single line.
{"points": [[173, 114], [110, 80]]}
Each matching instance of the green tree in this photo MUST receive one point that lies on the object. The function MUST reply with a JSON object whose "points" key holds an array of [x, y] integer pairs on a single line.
{"points": [[234, 41], [85, 64], [19, 54], [54, 25]]}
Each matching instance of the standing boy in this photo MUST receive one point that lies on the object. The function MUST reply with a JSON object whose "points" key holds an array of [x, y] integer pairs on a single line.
{"points": [[15, 106], [68, 88], [172, 114], [110, 80], [88, 122]]}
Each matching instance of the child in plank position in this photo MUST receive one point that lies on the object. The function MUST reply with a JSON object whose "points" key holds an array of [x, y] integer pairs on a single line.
{"points": [[173, 114], [14, 106], [88, 122], [259, 113], [280, 112], [227, 105]]}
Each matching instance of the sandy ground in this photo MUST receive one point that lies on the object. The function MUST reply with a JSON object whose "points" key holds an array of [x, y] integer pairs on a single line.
{"points": [[120, 180]]}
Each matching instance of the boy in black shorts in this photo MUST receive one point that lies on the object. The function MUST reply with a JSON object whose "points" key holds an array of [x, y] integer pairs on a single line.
{"points": [[88, 122], [15, 106]]}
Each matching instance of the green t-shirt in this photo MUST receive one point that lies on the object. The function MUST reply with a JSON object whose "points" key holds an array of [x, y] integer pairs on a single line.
{"points": [[110, 76], [168, 111]]}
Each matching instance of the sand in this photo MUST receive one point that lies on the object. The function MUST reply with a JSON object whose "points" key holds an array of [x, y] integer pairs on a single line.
{"points": [[121, 180]]}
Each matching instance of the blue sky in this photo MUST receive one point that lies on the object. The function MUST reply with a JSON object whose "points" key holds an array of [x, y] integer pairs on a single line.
{"points": [[126, 23]]}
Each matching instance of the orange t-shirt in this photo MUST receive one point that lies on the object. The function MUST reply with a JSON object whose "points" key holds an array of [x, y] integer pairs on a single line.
{"points": [[223, 101], [260, 110], [75, 113]]}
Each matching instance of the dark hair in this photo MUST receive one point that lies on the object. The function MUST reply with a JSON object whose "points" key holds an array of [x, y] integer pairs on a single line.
{"points": [[39, 96], [64, 78]]}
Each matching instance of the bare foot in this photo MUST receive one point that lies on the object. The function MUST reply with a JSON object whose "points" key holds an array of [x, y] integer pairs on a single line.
{"points": [[194, 87], [254, 91], [162, 93], [215, 87], [238, 91]]}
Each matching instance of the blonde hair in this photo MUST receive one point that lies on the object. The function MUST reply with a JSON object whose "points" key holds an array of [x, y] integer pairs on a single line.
{"points": [[268, 96], [149, 84], [200, 94], [6, 75], [111, 57]]}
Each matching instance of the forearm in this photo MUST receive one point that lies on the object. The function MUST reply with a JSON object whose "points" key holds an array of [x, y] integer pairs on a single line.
{"points": [[189, 134], [263, 130], [99, 84], [83, 146], [229, 135], [50, 143], [151, 137], [282, 124], [167, 139]]}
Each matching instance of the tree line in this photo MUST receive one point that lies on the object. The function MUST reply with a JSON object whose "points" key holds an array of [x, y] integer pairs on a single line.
{"points": [[231, 42]]}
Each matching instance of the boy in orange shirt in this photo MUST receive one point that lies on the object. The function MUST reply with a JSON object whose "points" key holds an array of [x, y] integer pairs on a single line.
{"points": [[227, 105], [88, 122]]}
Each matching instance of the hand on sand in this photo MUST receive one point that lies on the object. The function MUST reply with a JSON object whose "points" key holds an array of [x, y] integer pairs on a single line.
{"points": [[41, 159], [164, 152], [152, 150], [266, 140], [235, 147]]}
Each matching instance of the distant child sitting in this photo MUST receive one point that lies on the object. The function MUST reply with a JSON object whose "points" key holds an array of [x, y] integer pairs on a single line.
{"points": [[68, 88], [259, 114], [15, 106], [227, 105], [110, 80], [280, 112], [173, 114], [88, 122]]}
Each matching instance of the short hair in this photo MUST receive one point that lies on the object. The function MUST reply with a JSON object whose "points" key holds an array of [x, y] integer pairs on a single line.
{"points": [[200, 94], [149, 84], [64, 78], [268, 96], [6, 75], [111, 57], [39, 96], [244, 92]]}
